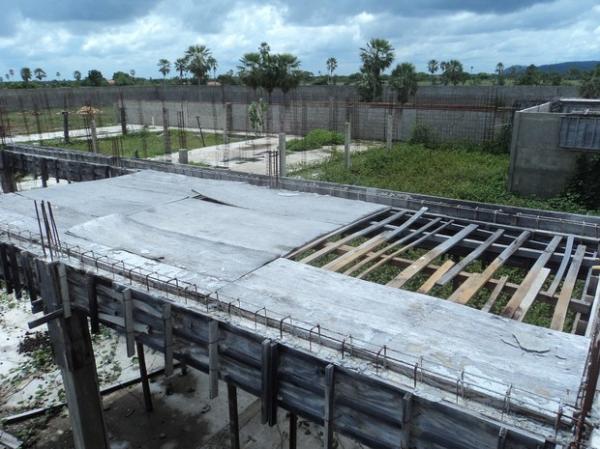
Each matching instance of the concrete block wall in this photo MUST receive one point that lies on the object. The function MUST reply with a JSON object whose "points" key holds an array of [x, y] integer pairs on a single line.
{"points": [[538, 166]]}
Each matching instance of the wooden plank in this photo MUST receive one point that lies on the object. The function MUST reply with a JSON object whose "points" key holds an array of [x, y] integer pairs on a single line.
{"points": [[425, 260], [375, 255], [495, 294], [64, 290], [517, 305], [374, 227], [293, 431], [168, 339], [269, 383], [460, 266], [560, 311], [433, 279], [401, 250], [234, 425], [471, 286], [213, 359], [328, 414], [536, 285], [371, 244], [144, 377], [128, 317], [92, 303], [326, 237], [563, 266]]}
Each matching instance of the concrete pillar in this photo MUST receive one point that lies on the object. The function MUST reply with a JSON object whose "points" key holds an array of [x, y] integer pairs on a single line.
{"points": [[65, 115], [183, 156], [282, 155], [228, 122], [123, 120], [389, 131], [7, 174], [74, 354], [347, 141], [94, 133], [166, 133]]}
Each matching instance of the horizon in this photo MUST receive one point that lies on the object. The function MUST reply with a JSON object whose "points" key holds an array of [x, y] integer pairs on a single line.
{"points": [[109, 36]]}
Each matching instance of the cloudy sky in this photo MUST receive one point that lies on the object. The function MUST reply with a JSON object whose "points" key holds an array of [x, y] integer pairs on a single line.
{"points": [[110, 35]]}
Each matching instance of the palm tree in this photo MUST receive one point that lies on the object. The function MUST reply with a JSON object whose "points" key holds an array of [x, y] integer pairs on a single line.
{"points": [[500, 72], [26, 74], [404, 81], [212, 65], [39, 74], [377, 56], [196, 58], [11, 72], [433, 67], [77, 75], [331, 66], [57, 75], [453, 72], [132, 73], [180, 66], [164, 67]]}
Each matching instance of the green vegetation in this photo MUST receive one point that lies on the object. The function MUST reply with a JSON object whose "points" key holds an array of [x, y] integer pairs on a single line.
{"points": [[269, 70], [585, 184], [133, 143], [316, 138], [453, 171], [376, 57]]}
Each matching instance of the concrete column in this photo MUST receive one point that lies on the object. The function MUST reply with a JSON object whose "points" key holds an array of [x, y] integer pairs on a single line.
{"points": [[166, 134], [347, 141], [65, 115], [123, 120], [74, 354], [7, 175], [282, 155], [228, 122], [389, 131], [183, 156], [94, 134]]}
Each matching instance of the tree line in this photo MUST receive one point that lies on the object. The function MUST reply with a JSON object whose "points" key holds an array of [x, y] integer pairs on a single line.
{"points": [[266, 70]]}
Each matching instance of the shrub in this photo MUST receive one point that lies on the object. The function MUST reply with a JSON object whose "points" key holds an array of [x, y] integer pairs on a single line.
{"points": [[316, 138], [501, 142], [584, 186], [423, 135]]}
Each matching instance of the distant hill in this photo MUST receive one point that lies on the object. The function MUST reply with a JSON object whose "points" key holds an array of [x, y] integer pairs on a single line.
{"points": [[561, 67]]}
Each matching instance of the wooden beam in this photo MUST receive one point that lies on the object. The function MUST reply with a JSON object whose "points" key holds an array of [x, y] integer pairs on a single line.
{"points": [[372, 243], [168, 338], [437, 274], [374, 227], [328, 415], [213, 359], [293, 431], [234, 425], [495, 294], [144, 377], [460, 266], [269, 382], [523, 298], [375, 255], [560, 311], [563, 266], [128, 317], [472, 285], [92, 298], [426, 259]]}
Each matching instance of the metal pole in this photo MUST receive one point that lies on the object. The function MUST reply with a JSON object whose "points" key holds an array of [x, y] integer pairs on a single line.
{"points": [[94, 134], [144, 377], [123, 121], [167, 135], [282, 150], [347, 140]]}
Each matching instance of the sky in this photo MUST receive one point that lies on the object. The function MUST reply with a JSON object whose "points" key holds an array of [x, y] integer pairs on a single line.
{"points": [[111, 35]]}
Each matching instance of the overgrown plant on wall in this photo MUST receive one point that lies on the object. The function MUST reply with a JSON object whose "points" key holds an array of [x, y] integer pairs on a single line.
{"points": [[590, 88], [584, 187]]}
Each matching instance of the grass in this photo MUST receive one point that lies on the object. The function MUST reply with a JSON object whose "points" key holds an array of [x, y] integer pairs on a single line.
{"points": [[453, 172], [315, 139], [52, 120], [134, 142]]}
